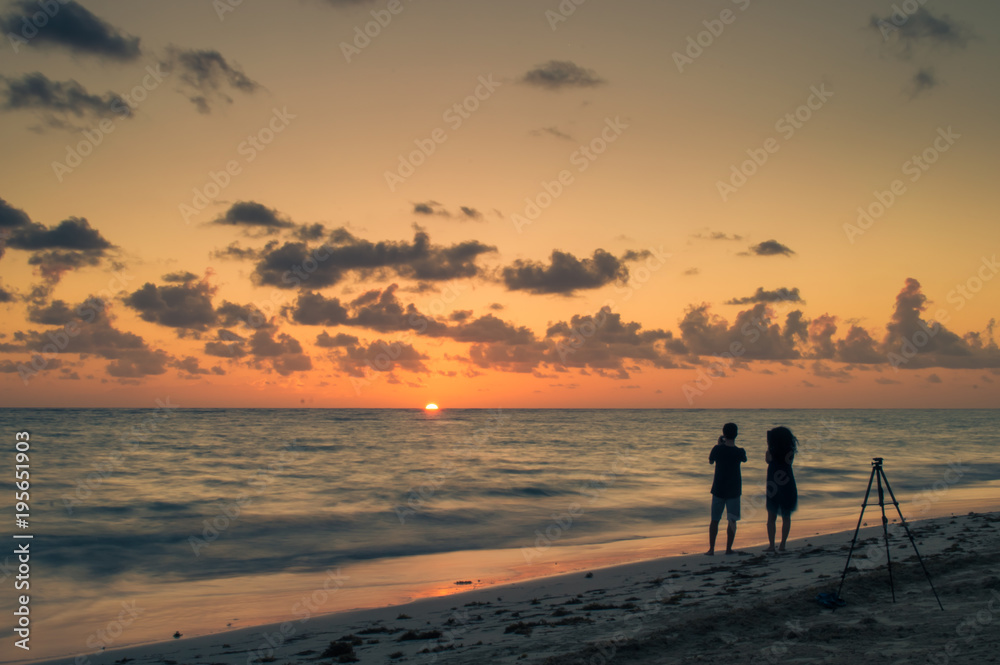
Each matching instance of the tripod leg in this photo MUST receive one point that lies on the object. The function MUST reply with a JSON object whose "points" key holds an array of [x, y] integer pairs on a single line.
{"points": [[856, 529], [902, 520], [885, 534]]}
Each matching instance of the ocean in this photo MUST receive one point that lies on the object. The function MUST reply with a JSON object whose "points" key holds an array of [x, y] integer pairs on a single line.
{"points": [[151, 521]]}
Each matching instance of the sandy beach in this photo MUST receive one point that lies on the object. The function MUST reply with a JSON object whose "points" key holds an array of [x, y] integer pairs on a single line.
{"points": [[749, 607]]}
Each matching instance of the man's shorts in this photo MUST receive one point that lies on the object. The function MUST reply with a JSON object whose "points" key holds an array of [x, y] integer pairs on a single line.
{"points": [[732, 507]]}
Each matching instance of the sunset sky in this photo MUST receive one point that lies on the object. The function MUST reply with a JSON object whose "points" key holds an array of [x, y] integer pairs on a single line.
{"points": [[385, 203]]}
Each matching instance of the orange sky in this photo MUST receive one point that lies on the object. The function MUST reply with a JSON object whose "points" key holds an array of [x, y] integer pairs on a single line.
{"points": [[487, 205]]}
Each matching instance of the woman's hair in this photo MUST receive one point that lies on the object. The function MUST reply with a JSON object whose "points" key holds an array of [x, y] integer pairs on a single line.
{"points": [[782, 444]]}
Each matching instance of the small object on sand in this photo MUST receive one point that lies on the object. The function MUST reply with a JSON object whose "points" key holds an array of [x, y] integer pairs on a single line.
{"points": [[589, 575], [830, 600], [177, 634]]}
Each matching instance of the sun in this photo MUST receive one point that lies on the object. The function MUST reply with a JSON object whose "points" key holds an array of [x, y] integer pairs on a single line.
{"points": [[431, 407]]}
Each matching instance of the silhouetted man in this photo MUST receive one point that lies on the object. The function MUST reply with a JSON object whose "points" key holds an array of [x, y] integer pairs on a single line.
{"points": [[727, 485]]}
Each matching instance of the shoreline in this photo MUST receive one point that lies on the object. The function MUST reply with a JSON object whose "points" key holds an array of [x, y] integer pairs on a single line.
{"points": [[578, 605]]}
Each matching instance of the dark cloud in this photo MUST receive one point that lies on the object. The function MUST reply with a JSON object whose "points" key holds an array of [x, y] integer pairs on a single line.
{"points": [[6, 296], [471, 213], [247, 316], [934, 378], [227, 345], [74, 233], [59, 103], [253, 216], [565, 273], [559, 74], [553, 131], [912, 342], [296, 264], [780, 294], [718, 235], [604, 341], [284, 353], [94, 334], [382, 311], [11, 217], [381, 356], [57, 313], [429, 208], [325, 341], [190, 365], [751, 336], [187, 306], [180, 276], [768, 248], [314, 309], [910, 31], [205, 76], [234, 252], [71, 27], [487, 329], [922, 81]]}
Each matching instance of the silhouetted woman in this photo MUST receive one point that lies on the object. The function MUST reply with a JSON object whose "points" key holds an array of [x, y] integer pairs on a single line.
{"points": [[782, 495]]}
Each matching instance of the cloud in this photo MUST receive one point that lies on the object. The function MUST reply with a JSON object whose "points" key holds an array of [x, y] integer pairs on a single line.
{"points": [[72, 27], [129, 354], [314, 309], [471, 213], [74, 233], [180, 276], [205, 76], [553, 131], [922, 81], [910, 31], [752, 335], [59, 103], [717, 235], [604, 341], [284, 353], [56, 313], [70, 245], [559, 74], [11, 217], [186, 306], [934, 378], [325, 341], [780, 294], [911, 342], [768, 248], [296, 264], [6, 296], [253, 216], [564, 274], [190, 365], [381, 356]]}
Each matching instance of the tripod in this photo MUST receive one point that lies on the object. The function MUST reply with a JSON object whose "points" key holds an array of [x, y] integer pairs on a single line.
{"points": [[879, 475]]}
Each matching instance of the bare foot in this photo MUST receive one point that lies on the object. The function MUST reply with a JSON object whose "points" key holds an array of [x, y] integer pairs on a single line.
{"points": [[710, 553], [730, 551], [781, 548]]}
